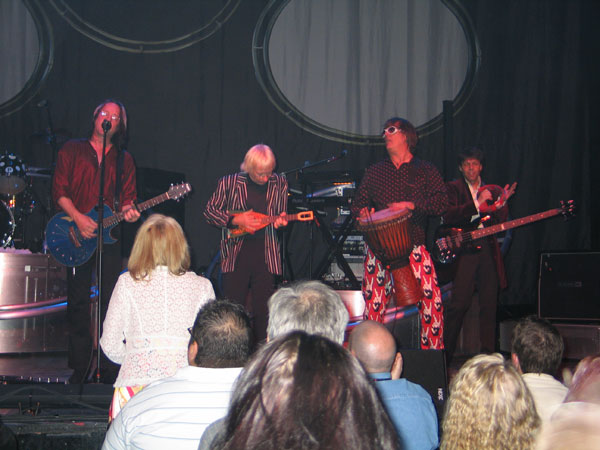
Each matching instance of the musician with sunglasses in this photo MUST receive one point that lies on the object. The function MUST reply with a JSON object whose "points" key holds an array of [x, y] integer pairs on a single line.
{"points": [[403, 181], [250, 262], [75, 191]]}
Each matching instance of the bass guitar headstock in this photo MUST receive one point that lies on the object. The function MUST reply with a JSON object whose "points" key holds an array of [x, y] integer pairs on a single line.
{"points": [[568, 208], [178, 191]]}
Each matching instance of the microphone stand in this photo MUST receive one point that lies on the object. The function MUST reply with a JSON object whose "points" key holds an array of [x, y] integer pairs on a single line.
{"points": [[300, 170], [100, 249], [308, 165]]}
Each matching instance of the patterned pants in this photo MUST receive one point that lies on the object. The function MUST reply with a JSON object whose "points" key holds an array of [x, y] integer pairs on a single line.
{"points": [[377, 287]]}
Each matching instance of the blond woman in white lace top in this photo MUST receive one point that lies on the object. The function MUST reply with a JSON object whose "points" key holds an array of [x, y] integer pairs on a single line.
{"points": [[151, 308]]}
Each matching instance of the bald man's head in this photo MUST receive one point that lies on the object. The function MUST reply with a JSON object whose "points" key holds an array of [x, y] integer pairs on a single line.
{"points": [[373, 345]]}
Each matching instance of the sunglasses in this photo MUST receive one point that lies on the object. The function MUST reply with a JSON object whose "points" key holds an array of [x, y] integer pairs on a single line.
{"points": [[390, 130], [112, 116]]}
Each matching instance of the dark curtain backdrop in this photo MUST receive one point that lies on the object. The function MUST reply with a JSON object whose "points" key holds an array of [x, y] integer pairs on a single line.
{"points": [[197, 110]]}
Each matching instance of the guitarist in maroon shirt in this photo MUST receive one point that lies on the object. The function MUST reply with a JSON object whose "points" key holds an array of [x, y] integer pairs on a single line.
{"points": [[75, 190], [479, 266]]}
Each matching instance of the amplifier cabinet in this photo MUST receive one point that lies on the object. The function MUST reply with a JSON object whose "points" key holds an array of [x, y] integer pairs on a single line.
{"points": [[569, 286]]}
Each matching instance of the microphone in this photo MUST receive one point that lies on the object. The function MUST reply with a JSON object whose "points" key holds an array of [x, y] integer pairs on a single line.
{"points": [[43, 103], [106, 125], [340, 156]]}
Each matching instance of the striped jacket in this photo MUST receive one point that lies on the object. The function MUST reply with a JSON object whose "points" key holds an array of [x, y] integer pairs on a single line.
{"points": [[231, 195]]}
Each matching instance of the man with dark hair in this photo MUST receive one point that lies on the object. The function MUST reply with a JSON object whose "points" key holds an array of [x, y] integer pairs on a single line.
{"points": [[403, 183], [409, 406], [75, 191], [176, 410], [480, 265], [536, 351]]}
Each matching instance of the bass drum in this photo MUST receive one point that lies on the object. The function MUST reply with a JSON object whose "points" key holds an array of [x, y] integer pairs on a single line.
{"points": [[7, 225]]}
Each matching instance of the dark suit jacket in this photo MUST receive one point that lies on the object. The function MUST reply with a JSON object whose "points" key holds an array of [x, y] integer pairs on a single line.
{"points": [[460, 210]]}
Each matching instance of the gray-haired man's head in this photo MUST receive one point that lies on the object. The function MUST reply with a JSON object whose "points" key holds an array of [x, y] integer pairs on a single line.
{"points": [[310, 306]]}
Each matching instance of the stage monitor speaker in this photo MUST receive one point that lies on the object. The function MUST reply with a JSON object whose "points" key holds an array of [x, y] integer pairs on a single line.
{"points": [[569, 286], [405, 326], [428, 369]]}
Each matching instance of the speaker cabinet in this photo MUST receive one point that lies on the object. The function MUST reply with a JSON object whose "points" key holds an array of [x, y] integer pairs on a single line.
{"points": [[151, 183], [580, 340], [428, 369], [569, 286]]}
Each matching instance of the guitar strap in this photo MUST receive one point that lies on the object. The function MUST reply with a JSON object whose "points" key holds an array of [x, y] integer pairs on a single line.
{"points": [[118, 182]]}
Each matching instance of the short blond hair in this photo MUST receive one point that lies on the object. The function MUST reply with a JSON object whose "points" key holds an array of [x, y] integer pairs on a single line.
{"points": [[159, 242], [489, 407], [258, 155]]}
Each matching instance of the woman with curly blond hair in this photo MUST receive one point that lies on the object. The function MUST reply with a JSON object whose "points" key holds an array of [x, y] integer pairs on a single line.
{"points": [[489, 408], [151, 309]]}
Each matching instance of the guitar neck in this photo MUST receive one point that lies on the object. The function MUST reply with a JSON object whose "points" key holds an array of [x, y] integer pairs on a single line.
{"points": [[483, 232], [289, 217], [118, 217]]}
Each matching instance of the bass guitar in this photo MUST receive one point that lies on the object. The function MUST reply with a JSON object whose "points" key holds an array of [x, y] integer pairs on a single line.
{"points": [[449, 241], [71, 249], [267, 220]]}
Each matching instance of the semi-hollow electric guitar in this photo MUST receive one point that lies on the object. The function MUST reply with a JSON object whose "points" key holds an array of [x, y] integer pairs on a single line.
{"points": [[449, 241], [267, 220], [71, 249]]}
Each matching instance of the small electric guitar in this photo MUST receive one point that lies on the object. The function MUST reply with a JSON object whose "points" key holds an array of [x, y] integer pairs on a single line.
{"points": [[71, 249], [267, 220], [449, 241]]}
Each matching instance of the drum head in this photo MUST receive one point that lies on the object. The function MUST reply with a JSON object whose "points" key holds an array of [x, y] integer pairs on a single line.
{"points": [[12, 174], [7, 225], [383, 216]]}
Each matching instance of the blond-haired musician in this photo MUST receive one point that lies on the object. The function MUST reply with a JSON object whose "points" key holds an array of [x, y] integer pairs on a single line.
{"points": [[403, 181], [250, 263]]}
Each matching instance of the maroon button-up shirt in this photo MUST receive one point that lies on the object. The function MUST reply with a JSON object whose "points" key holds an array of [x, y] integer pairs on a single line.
{"points": [[77, 176], [417, 181]]}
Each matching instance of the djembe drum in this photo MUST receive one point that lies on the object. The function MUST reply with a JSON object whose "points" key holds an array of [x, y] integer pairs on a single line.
{"points": [[387, 234]]}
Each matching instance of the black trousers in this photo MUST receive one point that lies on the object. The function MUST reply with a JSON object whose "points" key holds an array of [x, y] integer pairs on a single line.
{"points": [[251, 275], [79, 281], [476, 271]]}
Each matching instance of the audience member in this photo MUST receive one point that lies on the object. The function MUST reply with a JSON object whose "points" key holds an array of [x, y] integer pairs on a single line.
{"points": [[310, 306], [409, 406], [489, 407], [537, 349], [175, 411], [304, 391], [576, 423], [151, 308]]}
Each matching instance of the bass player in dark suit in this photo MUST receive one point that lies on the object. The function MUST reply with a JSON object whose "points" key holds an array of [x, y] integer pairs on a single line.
{"points": [[479, 267], [75, 189]]}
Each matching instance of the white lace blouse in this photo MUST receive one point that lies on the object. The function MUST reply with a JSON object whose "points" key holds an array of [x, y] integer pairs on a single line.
{"points": [[145, 329]]}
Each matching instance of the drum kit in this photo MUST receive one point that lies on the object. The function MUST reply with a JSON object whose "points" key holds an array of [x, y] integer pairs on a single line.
{"points": [[16, 197]]}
